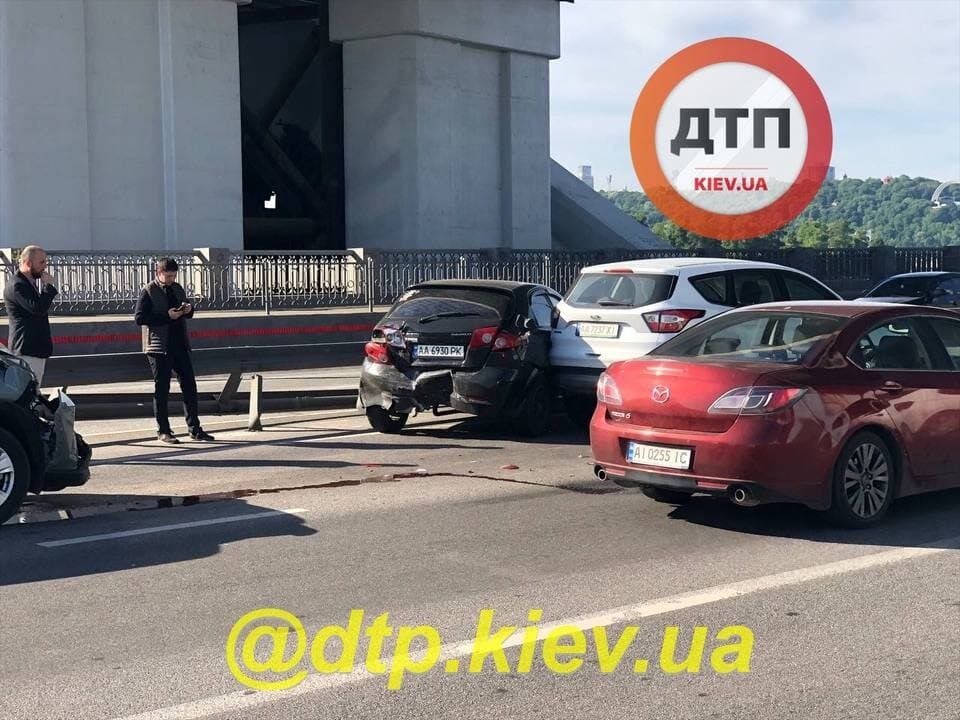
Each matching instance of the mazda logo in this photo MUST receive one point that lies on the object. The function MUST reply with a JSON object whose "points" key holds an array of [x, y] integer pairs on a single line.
{"points": [[660, 394]]}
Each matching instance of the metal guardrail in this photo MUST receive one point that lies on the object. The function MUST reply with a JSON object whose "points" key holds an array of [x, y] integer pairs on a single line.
{"points": [[80, 370], [109, 282]]}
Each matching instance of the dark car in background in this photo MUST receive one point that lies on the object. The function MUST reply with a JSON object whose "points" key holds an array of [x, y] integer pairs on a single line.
{"points": [[939, 289], [477, 346]]}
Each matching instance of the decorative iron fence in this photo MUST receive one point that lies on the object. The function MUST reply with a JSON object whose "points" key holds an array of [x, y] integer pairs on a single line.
{"points": [[918, 259], [109, 282]]}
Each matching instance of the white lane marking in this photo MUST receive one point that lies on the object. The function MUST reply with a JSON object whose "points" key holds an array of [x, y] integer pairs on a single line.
{"points": [[231, 703], [169, 528]]}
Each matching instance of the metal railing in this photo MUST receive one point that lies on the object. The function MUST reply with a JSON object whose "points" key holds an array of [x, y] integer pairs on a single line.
{"points": [[918, 259], [109, 282]]}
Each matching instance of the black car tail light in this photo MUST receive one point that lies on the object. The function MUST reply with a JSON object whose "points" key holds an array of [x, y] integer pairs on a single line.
{"points": [[489, 337], [378, 352], [483, 337]]}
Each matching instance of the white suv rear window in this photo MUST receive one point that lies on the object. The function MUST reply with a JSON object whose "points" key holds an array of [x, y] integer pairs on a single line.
{"points": [[620, 289]]}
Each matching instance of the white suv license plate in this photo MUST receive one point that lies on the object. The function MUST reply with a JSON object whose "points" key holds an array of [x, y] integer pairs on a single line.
{"points": [[598, 330], [454, 352], [658, 456]]}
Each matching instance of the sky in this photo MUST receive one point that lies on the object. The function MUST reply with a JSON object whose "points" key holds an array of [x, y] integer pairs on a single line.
{"points": [[889, 70]]}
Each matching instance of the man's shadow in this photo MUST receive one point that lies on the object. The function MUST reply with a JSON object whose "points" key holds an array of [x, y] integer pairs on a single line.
{"points": [[33, 552]]}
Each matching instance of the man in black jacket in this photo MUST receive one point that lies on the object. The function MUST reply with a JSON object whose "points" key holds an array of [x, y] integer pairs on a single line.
{"points": [[162, 312], [27, 297]]}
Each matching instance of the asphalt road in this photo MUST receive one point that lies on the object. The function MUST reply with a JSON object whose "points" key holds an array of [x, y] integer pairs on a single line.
{"points": [[126, 615]]}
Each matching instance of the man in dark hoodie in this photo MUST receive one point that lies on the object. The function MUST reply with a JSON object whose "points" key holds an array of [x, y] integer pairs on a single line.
{"points": [[27, 297], [162, 313]]}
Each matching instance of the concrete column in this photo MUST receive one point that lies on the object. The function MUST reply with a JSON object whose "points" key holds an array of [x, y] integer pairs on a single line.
{"points": [[446, 128], [125, 126], [200, 104], [526, 148], [120, 124], [44, 168]]}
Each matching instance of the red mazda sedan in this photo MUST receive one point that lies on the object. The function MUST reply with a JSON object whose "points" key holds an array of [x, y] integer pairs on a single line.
{"points": [[840, 406]]}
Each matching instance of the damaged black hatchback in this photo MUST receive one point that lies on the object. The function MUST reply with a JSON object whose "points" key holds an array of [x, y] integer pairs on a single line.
{"points": [[39, 449], [477, 346]]}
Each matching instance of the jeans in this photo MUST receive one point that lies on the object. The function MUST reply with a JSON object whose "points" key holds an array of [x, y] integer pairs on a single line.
{"points": [[162, 366]]}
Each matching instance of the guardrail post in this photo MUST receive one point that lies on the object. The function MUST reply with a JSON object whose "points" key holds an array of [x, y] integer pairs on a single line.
{"points": [[264, 266], [256, 399], [371, 285], [211, 279], [225, 398]]}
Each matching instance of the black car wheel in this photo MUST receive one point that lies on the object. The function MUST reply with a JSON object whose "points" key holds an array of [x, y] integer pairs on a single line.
{"points": [[533, 419], [14, 475], [580, 410], [864, 482], [673, 497], [382, 421]]}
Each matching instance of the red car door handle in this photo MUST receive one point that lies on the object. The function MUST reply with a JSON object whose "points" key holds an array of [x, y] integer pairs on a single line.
{"points": [[891, 386]]}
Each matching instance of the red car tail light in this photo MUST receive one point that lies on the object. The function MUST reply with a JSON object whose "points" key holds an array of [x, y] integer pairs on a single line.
{"points": [[756, 400], [607, 391], [378, 352], [488, 337], [670, 321]]}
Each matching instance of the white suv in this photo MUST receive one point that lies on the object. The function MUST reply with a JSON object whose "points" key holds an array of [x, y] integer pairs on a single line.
{"points": [[624, 310]]}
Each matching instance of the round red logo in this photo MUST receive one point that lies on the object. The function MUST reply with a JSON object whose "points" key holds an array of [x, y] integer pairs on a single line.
{"points": [[731, 138]]}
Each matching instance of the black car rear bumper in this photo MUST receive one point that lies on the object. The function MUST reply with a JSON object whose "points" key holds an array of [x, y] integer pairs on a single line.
{"points": [[482, 392]]}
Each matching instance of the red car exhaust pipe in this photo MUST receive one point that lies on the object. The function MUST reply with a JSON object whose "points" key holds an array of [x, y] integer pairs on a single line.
{"points": [[743, 496], [599, 472]]}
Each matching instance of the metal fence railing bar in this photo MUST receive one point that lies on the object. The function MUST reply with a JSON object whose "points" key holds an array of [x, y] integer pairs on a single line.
{"points": [[109, 282]]}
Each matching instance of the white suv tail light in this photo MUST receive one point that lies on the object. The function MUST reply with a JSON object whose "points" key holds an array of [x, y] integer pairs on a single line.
{"points": [[671, 321]]}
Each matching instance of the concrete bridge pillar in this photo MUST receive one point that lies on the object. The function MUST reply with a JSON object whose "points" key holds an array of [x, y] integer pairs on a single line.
{"points": [[446, 121], [119, 124]]}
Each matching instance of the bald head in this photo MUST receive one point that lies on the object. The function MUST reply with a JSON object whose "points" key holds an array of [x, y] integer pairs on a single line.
{"points": [[33, 261]]}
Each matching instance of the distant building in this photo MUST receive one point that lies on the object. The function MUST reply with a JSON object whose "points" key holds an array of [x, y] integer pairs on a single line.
{"points": [[586, 175], [887, 180], [831, 173]]}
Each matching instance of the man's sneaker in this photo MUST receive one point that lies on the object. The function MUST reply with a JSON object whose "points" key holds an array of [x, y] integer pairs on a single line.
{"points": [[168, 438], [201, 436]]}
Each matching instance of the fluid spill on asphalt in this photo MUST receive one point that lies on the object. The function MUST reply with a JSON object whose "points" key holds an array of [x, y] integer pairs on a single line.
{"points": [[47, 512]]}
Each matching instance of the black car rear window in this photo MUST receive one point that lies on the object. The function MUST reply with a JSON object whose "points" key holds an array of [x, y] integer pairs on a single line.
{"points": [[903, 287], [628, 289], [472, 302]]}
